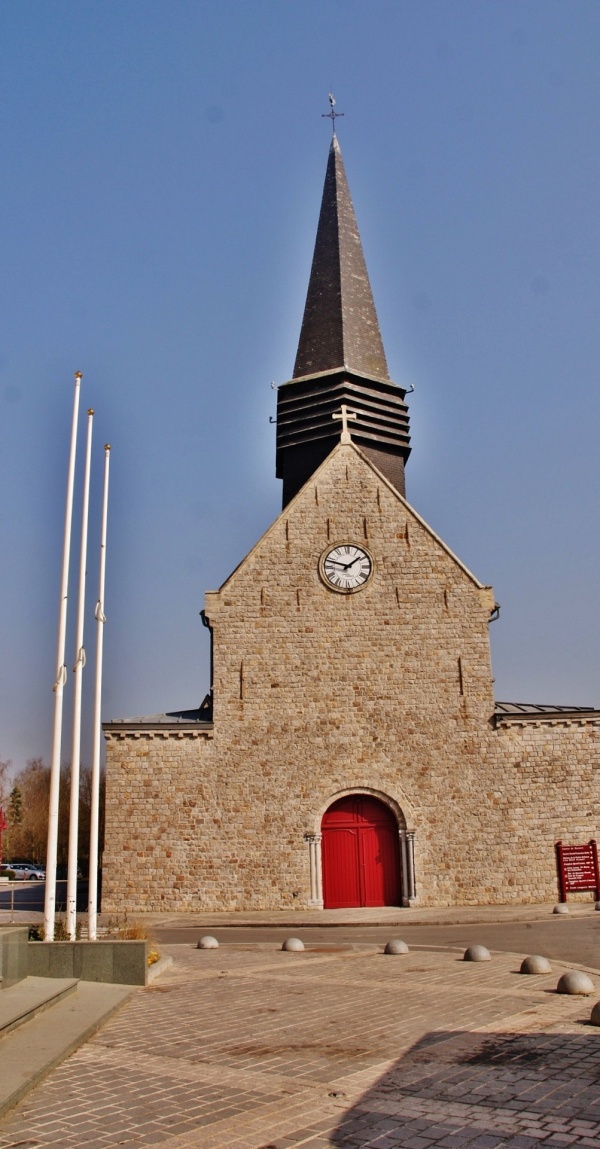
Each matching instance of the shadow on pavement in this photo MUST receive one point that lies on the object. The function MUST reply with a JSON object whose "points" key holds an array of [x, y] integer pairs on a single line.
{"points": [[457, 1089]]}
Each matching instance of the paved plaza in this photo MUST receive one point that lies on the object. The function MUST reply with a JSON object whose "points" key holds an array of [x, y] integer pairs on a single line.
{"points": [[253, 1048]]}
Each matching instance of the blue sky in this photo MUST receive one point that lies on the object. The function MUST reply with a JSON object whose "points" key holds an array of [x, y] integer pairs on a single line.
{"points": [[162, 172]]}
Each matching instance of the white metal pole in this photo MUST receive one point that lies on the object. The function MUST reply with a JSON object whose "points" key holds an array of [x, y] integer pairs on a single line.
{"points": [[61, 678], [71, 915], [95, 801]]}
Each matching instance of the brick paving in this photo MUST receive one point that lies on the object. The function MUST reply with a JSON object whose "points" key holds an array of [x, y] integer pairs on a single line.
{"points": [[250, 1048]]}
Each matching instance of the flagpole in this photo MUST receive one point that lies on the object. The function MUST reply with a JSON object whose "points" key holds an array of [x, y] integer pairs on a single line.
{"points": [[59, 684], [95, 799], [71, 915]]}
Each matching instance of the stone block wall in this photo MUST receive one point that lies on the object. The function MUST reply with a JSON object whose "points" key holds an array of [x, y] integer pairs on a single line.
{"points": [[160, 798], [549, 791], [316, 694]]}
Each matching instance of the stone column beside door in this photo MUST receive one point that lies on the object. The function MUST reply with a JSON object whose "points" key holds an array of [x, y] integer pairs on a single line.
{"points": [[316, 877]]}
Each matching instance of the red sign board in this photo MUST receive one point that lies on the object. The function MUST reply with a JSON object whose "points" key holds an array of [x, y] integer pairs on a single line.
{"points": [[577, 868]]}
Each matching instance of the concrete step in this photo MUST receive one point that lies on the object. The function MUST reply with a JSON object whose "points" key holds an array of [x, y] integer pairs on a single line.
{"points": [[30, 1049], [22, 1001]]}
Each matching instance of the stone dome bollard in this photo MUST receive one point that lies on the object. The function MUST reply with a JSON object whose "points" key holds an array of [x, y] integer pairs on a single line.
{"points": [[396, 947], [595, 1016], [293, 945], [477, 953], [207, 943], [535, 964], [561, 908], [576, 982]]}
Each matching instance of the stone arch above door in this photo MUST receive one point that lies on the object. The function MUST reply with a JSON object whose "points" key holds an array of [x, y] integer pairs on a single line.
{"points": [[405, 840], [399, 811]]}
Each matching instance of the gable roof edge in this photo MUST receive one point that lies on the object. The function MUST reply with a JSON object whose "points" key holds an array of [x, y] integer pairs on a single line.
{"points": [[313, 478], [265, 535], [282, 514], [418, 517]]}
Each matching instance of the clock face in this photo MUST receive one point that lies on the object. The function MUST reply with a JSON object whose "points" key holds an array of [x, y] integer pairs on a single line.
{"points": [[346, 567]]}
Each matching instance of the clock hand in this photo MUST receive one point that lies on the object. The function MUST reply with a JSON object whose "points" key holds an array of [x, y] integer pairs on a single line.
{"points": [[355, 560]]}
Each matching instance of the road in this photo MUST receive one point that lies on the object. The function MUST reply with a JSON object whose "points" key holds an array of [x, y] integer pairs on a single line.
{"points": [[30, 896], [575, 940]]}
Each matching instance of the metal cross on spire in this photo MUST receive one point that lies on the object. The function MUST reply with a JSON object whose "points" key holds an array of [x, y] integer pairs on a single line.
{"points": [[344, 414], [332, 114]]}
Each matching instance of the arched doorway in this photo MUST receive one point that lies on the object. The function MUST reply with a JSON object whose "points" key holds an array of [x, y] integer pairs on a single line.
{"points": [[361, 855]]}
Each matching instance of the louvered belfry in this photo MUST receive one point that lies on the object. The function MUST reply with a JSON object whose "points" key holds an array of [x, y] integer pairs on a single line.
{"points": [[340, 356]]}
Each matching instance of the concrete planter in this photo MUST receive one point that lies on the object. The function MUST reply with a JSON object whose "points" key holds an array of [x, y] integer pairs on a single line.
{"points": [[13, 955], [120, 962]]}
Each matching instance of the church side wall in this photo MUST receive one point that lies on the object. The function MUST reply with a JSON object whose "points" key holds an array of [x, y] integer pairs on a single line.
{"points": [[546, 789], [159, 798]]}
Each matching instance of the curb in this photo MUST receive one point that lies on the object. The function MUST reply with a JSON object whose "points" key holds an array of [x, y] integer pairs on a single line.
{"points": [[400, 922], [158, 967]]}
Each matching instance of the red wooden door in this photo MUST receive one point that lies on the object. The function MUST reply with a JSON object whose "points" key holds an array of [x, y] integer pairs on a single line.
{"points": [[361, 857]]}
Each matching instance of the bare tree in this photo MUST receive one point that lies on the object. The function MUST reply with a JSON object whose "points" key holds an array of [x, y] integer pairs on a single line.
{"points": [[28, 838], [5, 768], [29, 831]]}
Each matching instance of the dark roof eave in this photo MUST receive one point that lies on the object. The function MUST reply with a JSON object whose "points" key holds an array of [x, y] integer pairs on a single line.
{"points": [[130, 726], [199, 718], [344, 370], [534, 712]]}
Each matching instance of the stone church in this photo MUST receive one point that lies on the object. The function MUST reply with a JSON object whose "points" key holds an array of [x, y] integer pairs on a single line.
{"points": [[350, 752]]}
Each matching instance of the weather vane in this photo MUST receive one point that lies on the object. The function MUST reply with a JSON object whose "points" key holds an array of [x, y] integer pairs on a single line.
{"points": [[332, 115]]}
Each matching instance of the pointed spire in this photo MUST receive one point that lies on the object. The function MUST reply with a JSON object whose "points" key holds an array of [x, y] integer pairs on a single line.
{"points": [[340, 362], [340, 327]]}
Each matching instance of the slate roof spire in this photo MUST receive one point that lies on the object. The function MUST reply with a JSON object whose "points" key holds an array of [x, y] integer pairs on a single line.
{"points": [[340, 327], [340, 361]]}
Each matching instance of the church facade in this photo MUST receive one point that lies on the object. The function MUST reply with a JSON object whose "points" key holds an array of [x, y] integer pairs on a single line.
{"points": [[350, 752]]}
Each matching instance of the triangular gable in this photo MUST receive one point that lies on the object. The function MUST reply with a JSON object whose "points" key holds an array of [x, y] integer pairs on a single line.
{"points": [[288, 509]]}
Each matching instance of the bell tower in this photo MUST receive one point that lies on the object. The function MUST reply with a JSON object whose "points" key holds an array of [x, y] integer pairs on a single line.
{"points": [[340, 358]]}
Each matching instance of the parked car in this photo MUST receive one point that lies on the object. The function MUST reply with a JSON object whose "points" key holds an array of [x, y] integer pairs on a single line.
{"points": [[24, 871]]}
